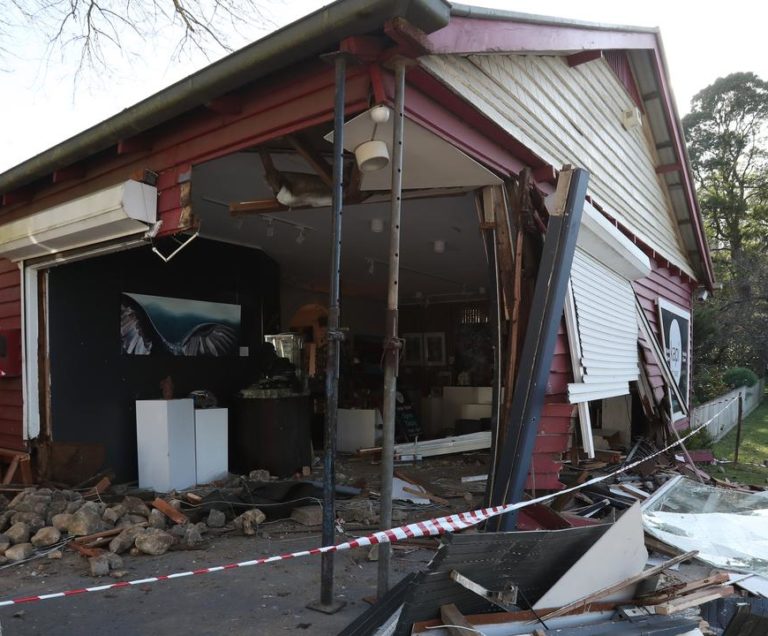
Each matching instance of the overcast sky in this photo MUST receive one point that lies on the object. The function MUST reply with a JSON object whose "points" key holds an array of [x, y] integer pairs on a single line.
{"points": [[42, 104]]}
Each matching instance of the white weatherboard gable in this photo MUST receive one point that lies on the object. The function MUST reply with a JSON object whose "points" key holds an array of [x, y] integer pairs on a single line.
{"points": [[573, 116]]}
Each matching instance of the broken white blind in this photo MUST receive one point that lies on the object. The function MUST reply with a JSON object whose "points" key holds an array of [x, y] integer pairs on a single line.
{"points": [[606, 325]]}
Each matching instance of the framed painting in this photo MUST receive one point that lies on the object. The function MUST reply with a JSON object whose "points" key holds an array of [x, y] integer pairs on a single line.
{"points": [[434, 349], [161, 325], [413, 351]]}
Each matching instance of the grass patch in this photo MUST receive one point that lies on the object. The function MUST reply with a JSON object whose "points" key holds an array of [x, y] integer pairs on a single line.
{"points": [[752, 451]]}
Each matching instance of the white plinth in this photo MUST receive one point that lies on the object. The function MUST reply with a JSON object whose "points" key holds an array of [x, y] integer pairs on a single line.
{"points": [[212, 444], [165, 436], [356, 428]]}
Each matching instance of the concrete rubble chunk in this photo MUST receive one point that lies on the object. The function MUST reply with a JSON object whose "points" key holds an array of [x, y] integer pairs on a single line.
{"points": [[115, 561], [216, 519], [157, 519], [21, 497], [125, 540], [155, 542], [260, 474], [308, 515], [135, 506], [5, 519], [45, 537], [87, 520], [57, 507], [32, 519], [192, 536], [74, 506], [360, 511], [249, 521], [19, 552], [113, 514], [18, 533], [99, 565], [61, 521], [56, 554], [5, 543]]}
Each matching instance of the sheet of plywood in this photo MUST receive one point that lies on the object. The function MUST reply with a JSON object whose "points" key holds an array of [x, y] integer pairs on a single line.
{"points": [[617, 555]]}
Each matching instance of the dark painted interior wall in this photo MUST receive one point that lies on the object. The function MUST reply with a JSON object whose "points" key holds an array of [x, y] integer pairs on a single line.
{"points": [[94, 386]]}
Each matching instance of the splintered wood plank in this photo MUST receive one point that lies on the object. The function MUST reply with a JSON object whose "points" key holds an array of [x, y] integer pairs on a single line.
{"points": [[169, 511], [599, 594], [693, 600]]}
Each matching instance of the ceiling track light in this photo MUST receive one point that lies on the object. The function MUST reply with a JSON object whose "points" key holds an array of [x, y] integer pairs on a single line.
{"points": [[270, 228], [301, 236]]}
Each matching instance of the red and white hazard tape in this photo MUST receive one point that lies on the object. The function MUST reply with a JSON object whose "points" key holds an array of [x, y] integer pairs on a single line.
{"points": [[431, 527]]}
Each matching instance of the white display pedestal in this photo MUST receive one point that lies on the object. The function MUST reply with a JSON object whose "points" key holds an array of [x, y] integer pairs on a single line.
{"points": [[356, 428], [211, 444], [165, 436]]}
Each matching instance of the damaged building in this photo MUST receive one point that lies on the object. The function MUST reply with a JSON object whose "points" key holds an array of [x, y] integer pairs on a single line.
{"points": [[520, 249]]}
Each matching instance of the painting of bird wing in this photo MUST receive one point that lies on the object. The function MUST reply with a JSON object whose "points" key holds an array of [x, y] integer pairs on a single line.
{"points": [[210, 339], [137, 332]]}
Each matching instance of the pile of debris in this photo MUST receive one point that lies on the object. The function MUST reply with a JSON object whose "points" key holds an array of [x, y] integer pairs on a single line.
{"points": [[105, 523], [44, 521]]}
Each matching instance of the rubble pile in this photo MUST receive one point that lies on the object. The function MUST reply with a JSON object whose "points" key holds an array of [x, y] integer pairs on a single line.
{"points": [[43, 521]]}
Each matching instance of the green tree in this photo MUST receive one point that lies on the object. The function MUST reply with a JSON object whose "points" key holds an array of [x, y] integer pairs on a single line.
{"points": [[726, 131]]}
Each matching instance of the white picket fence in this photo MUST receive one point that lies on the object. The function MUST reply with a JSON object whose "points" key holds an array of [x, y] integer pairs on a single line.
{"points": [[725, 419]]}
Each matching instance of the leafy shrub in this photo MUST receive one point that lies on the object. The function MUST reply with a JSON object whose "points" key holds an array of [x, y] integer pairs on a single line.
{"points": [[700, 440], [739, 376], [708, 384]]}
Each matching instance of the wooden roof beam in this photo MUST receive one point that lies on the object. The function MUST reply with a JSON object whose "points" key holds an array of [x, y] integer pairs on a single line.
{"points": [[411, 40], [139, 143], [669, 167], [313, 158], [70, 173], [582, 57]]}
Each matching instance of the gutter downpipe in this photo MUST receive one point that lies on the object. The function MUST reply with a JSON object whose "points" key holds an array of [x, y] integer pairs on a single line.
{"points": [[327, 603], [392, 343]]}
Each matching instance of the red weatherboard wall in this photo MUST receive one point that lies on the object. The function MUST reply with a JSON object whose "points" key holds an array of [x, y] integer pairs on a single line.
{"points": [[557, 420], [558, 417], [11, 399]]}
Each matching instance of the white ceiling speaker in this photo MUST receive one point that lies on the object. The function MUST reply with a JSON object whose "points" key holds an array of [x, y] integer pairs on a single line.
{"points": [[377, 225], [372, 155], [438, 246]]}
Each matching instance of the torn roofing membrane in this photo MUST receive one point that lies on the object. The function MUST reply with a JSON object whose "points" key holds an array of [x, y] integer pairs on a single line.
{"points": [[729, 528]]}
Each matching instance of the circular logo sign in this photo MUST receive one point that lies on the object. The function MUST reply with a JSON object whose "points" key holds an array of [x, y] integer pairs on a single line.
{"points": [[675, 350]]}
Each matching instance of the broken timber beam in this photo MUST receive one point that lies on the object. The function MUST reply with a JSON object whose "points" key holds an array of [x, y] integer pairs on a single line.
{"points": [[539, 344]]}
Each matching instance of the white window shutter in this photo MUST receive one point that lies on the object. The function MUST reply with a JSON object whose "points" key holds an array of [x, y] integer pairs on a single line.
{"points": [[606, 329]]}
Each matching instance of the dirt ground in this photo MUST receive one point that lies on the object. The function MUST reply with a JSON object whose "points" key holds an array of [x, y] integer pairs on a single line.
{"points": [[264, 599]]}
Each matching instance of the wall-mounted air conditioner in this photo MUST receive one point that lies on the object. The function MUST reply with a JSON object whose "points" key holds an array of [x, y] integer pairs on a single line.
{"points": [[119, 211]]}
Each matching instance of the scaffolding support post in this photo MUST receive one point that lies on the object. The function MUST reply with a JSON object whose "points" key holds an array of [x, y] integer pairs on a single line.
{"points": [[392, 343], [327, 603]]}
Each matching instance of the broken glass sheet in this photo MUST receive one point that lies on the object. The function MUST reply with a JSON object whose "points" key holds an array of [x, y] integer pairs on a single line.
{"points": [[729, 528]]}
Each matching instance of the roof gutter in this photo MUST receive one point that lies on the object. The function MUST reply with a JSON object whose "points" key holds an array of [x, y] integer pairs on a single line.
{"points": [[311, 35], [483, 13]]}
